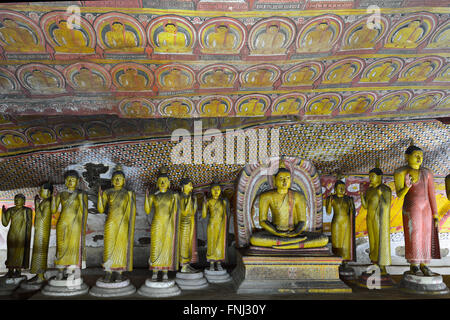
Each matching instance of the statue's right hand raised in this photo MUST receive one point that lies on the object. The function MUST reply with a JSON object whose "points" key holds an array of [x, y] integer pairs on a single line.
{"points": [[408, 180]]}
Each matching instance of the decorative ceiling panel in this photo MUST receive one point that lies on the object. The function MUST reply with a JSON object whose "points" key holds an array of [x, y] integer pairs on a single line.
{"points": [[159, 59]]}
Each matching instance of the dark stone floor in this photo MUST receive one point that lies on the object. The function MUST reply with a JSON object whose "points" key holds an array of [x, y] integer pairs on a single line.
{"points": [[226, 291]]}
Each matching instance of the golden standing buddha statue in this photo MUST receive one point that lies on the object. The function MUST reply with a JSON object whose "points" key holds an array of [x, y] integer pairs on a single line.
{"points": [[42, 227], [377, 201], [71, 225], [119, 227], [286, 229], [217, 230], [343, 223], [164, 244], [188, 234], [19, 218]]}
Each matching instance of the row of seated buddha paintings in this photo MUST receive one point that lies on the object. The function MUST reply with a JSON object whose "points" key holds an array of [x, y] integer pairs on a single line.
{"points": [[287, 210], [85, 77], [171, 34]]}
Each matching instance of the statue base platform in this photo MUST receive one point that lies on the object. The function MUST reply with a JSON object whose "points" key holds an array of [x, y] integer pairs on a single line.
{"points": [[346, 273], [310, 271], [8, 285], [191, 280], [112, 289], [32, 286], [385, 281], [421, 284], [214, 276], [159, 289], [65, 288]]}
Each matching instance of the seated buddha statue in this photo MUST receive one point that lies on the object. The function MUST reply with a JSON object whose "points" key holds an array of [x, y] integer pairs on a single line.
{"points": [[217, 79], [286, 229], [214, 108], [17, 38], [271, 41], [12, 141], [357, 106], [136, 109], [175, 80], [304, 75], [132, 80], [251, 108], [407, 36], [341, 74], [321, 107], [171, 41], [70, 39], [441, 41], [119, 39], [221, 41], [381, 73], [420, 72], [259, 78], [362, 38], [317, 40], [88, 81], [289, 106], [391, 104], [424, 103], [42, 83], [177, 109]]}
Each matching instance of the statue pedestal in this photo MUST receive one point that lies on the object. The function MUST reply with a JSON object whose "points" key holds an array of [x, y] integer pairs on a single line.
{"points": [[346, 273], [384, 282], [112, 289], [191, 281], [159, 289], [65, 288], [310, 271], [214, 276], [8, 285], [32, 286], [423, 284]]}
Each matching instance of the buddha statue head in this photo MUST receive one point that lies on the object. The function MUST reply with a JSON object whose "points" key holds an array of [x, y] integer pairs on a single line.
{"points": [[19, 200], [117, 26], [170, 27], [339, 188], [71, 178], [414, 156], [375, 177], [282, 178], [46, 190], [186, 185], [216, 189], [163, 182], [118, 178]]}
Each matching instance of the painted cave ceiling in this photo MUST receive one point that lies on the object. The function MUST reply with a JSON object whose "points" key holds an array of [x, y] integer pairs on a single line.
{"points": [[310, 60]]}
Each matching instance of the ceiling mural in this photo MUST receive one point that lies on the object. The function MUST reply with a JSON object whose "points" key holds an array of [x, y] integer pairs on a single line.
{"points": [[159, 59]]}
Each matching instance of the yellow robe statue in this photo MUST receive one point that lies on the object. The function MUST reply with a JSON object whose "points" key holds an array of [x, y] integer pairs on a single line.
{"points": [[216, 231], [42, 227], [19, 235], [119, 229], [71, 229], [188, 234]]}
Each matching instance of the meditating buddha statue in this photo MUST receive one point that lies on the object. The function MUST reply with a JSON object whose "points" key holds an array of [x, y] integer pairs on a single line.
{"points": [[289, 106], [317, 40], [17, 38], [70, 39], [87, 80], [341, 74], [218, 78], [381, 73], [177, 109], [215, 107], [175, 80], [286, 229], [357, 106], [251, 107], [321, 107], [301, 76], [120, 39], [271, 41], [259, 78], [171, 41], [221, 41], [419, 72], [407, 36], [362, 38], [132, 80]]}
